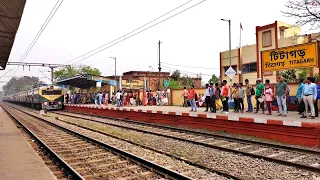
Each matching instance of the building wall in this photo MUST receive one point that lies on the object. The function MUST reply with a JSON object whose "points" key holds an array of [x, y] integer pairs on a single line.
{"points": [[292, 41], [225, 62], [249, 55], [260, 46], [153, 79], [289, 31], [177, 100]]}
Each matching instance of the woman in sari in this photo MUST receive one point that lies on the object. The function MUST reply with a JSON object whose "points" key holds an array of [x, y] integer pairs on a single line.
{"points": [[144, 98], [150, 98], [84, 99], [128, 98]]}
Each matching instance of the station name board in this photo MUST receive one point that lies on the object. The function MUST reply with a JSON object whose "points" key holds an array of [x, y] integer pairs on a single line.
{"points": [[132, 84], [299, 56]]}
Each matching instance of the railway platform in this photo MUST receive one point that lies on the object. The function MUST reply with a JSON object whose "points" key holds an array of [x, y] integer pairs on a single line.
{"points": [[17, 159], [290, 129]]}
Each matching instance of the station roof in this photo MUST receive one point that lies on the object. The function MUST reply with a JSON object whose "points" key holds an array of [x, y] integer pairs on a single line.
{"points": [[85, 81], [10, 17]]}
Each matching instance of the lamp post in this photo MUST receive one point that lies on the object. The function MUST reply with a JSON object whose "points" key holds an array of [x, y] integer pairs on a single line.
{"points": [[115, 68], [229, 21]]}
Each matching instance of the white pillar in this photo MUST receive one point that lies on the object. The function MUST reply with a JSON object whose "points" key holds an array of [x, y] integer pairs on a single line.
{"points": [[120, 82], [145, 83]]}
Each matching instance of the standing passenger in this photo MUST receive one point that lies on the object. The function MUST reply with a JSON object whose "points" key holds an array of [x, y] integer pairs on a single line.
{"points": [[191, 99], [225, 96], [235, 93], [309, 97], [299, 96], [118, 98], [259, 96], [185, 97], [217, 96], [249, 93], [207, 101], [241, 94], [269, 98], [213, 98], [281, 94]]}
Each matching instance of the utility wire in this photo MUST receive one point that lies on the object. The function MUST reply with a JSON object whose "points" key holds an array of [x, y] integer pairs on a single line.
{"points": [[125, 37], [188, 66], [44, 25], [44, 74], [129, 32], [187, 72]]}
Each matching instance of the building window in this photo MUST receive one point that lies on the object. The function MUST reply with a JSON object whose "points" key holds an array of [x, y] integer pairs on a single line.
{"points": [[251, 67], [281, 33], [266, 39], [227, 67]]}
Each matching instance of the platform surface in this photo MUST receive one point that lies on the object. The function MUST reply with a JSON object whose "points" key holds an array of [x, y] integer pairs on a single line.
{"points": [[18, 160], [292, 118]]}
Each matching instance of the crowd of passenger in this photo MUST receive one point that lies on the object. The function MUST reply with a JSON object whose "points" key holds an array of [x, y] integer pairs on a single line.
{"points": [[140, 98], [267, 98], [120, 98]]}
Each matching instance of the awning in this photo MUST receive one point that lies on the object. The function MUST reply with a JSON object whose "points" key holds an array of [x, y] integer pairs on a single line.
{"points": [[10, 17], [85, 81]]}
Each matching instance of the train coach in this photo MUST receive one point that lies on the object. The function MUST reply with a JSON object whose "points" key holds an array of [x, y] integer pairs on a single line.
{"points": [[42, 97]]}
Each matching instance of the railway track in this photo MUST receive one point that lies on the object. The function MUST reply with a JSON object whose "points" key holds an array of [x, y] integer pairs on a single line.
{"points": [[86, 158], [286, 155]]}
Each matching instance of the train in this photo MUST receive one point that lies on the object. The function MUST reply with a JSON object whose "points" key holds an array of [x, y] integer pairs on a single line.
{"points": [[46, 97]]}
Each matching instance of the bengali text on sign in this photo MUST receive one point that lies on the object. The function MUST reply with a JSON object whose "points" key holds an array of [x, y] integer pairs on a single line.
{"points": [[305, 55]]}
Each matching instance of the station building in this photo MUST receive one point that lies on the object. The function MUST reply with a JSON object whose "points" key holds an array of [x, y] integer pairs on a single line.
{"points": [[134, 80], [247, 60]]}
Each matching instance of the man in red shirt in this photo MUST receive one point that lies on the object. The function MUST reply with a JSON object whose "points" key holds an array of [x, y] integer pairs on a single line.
{"points": [[225, 96], [191, 99]]}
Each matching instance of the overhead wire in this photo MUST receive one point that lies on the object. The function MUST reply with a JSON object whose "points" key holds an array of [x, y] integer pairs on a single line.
{"points": [[130, 31], [127, 37], [187, 66], [43, 27], [187, 72], [44, 74]]}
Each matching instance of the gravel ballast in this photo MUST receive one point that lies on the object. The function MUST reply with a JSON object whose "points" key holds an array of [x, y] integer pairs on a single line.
{"points": [[171, 163], [237, 165]]}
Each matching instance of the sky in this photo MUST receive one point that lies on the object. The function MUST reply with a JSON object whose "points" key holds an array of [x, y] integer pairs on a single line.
{"points": [[191, 41]]}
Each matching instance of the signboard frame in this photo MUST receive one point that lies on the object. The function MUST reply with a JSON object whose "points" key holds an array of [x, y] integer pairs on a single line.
{"points": [[166, 84], [316, 44], [231, 70], [132, 84]]}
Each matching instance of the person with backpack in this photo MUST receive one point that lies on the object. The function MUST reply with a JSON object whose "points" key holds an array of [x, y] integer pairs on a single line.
{"points": [[249, 92]]}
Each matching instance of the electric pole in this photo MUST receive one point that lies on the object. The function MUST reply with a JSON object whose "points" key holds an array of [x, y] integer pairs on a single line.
{"points": [[159, 57], [51, 73], [159, 67]]}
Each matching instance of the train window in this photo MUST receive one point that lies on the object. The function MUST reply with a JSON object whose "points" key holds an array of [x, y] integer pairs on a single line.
{"points": [[54, 92]]}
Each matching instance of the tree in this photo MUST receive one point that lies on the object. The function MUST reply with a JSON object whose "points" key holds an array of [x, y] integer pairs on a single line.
{"points": [[186, 81], [65, 73], [306, 12], [89, 70], [19, 84], [174, 84], [214, 79], [176, 75], [72, 71], [289, 75], [303, 73]]}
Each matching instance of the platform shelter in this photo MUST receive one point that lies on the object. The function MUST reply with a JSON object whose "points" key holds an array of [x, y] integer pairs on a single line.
{"points": [[87, 82]]}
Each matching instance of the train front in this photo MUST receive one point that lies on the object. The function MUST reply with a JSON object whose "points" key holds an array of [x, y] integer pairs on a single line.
{"points": [[51, 97]]}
